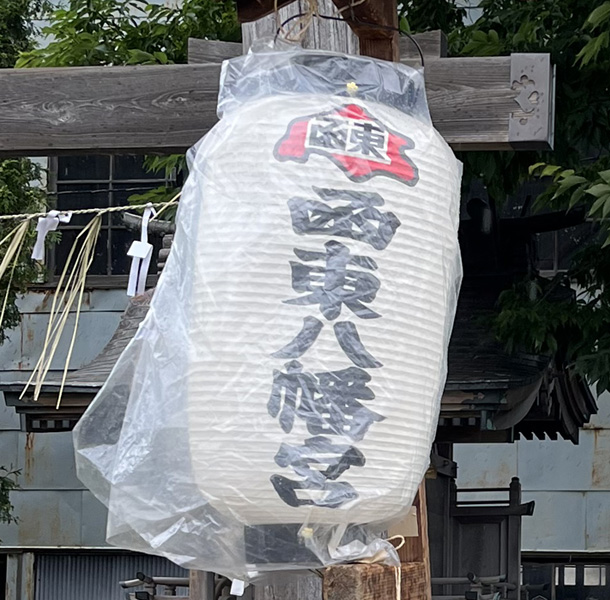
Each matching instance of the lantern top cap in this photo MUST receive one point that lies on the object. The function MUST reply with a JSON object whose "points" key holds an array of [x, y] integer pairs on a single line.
{"points": [[279, 69]]}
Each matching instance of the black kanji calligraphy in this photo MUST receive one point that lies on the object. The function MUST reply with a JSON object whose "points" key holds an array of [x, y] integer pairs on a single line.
{"points": [[289, 390], [350, 342], [327, 133], [359, 219], [334, 493], [319, 463], [336, 409], [331, 460], [346, 334], [335, 284], [303, 341], [369, 140]]}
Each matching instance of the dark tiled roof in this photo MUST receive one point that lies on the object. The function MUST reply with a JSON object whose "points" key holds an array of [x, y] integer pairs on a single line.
{"points": [[489, 395]]}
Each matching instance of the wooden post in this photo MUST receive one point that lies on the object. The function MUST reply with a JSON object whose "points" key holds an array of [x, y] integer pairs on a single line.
{"points": [[375, 582], [379, 42], [323, 34], [201, 585]]}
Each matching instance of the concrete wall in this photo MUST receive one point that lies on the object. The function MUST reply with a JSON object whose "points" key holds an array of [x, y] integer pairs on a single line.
{"points": [[570, 484], [53, 506]]}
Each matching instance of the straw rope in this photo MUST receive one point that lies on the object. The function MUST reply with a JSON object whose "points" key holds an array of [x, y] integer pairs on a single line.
{"points": [[90, 211], [68, 297]]}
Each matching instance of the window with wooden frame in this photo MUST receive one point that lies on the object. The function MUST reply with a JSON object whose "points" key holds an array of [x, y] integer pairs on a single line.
{"points": [[100, 181]]}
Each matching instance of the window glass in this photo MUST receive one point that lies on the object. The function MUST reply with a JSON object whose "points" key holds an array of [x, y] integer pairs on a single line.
{"points": [[98, 182]]}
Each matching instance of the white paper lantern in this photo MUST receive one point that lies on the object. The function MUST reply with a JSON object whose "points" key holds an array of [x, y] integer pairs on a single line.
{"points": [[297, 339]]}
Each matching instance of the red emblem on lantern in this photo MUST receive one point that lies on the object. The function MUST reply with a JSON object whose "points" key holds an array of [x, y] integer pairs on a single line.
{"points": [[360, 145]]}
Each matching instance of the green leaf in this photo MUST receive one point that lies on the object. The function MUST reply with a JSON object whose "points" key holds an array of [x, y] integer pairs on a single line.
{"points": [[599, 15], [605, 175], [535, 167], [598, 204], [598, 190], [161, 57], [606, 209], [592, 49], [568, 183], [139, 57], [576, 196], [549, 170]]}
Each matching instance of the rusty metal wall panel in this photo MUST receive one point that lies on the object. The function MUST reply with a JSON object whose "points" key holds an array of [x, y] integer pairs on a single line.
{"points": [[101, 311], [600, 471], [46, 518], [95, 576], [485, 466], [46, 461], [598, 521], [9, 419]]}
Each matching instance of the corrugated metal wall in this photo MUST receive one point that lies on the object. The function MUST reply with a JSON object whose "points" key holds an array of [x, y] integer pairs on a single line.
{"points": [[95, 576]]}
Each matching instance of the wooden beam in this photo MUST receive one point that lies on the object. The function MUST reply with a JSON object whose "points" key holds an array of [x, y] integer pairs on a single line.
{"points": [[378, 42], [433, 45], [375, 582], [76, 110], [450, 82], [496, 103], [212, 51]]}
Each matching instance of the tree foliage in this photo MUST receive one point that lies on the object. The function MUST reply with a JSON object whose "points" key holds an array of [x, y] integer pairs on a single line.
{"points": [[17, 194], [16, 28], [534, 315], [8, 483], [418, 16], [129, 32]]}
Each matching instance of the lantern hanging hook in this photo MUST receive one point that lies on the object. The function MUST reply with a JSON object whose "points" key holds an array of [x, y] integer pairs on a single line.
{"points": [[308, 16]]}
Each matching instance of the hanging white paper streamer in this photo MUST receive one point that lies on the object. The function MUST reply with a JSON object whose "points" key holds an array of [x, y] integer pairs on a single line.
{"points": [[141, 254], [44, 226]]}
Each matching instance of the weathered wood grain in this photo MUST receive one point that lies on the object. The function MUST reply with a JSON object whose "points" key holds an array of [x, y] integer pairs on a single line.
{"points": [[201, 585], [375, 582], [323, 34], [166, 109], [99, 109], [377, 42], [308, 587], [212, 51], [417, 549], [433, 45]]}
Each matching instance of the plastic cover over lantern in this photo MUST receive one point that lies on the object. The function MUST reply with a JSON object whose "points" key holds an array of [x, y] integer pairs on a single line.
{"points": [[277, 406]]}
